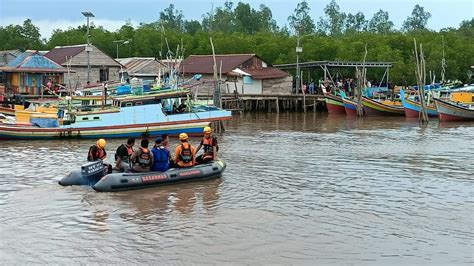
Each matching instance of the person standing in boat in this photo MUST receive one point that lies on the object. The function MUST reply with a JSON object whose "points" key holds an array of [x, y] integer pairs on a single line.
{"points": [[210, 147], [97, 152], [185, 153], [123, 154], [161, 156], [142, 158]]}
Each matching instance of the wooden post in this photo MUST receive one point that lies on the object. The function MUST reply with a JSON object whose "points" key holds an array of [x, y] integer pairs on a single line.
{"points": [[277, 107], [420, 73]]}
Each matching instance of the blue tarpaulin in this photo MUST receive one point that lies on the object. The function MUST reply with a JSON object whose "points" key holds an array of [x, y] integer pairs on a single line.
{"points": [[45, 122]]}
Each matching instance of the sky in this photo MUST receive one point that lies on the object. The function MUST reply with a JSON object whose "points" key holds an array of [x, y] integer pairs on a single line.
{"points": [[112, 14]]}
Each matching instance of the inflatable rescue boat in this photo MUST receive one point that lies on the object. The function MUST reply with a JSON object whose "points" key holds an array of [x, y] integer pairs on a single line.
{"points": [[92, 174]]}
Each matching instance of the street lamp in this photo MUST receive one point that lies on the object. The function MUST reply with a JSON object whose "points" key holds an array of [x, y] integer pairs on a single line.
{"points": [[88, 15], [121, 42], [299, 50]]}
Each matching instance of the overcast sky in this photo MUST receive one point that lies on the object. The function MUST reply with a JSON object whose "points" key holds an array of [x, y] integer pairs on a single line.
{"points": [[111, 14]]}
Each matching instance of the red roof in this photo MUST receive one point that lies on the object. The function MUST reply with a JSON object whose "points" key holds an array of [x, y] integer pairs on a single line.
{"points": [[59, 54], [204, 64], [265, 73]]}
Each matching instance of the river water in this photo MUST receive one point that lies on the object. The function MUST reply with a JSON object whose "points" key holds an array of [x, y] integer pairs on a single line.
{"points": [[299, 189]]}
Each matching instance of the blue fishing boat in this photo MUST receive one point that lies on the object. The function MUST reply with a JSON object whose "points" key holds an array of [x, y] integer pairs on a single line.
{"points": [[412, 107], [132, 116]]}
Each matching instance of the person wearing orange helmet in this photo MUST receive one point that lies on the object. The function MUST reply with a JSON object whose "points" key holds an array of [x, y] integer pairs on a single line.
{"points": [[185, 152], [210, 147], [97, 152]]}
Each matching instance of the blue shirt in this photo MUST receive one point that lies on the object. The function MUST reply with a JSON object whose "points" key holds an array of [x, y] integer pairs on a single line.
{"points": [[161, 159]]}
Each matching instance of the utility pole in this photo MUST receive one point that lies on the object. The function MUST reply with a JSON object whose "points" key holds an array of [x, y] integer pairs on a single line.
{"points": [[88, 15], [299, 50]]}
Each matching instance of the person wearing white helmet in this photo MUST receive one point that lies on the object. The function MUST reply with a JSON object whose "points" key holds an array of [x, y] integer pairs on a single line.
{"points": [[210, 147]]}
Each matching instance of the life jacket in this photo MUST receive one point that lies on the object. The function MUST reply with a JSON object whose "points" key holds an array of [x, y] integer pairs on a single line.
{"points": [[186, 154], [96, 153], [144, 159], [161, 159], [129, 153], [207, 144]]}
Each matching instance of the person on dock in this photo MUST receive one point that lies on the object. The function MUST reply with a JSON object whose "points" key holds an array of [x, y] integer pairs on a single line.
{"points": [[311, 87], [210, 147], [161, 156], [185, 152], [142, 158], [97, 152], [123, 154]]}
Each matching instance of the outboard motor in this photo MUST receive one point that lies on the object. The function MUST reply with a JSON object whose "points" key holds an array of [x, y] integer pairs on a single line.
{"points": [[89, 174]]}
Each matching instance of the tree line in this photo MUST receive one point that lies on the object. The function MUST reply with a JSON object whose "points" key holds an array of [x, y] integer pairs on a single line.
{"points": [[240, 28]]}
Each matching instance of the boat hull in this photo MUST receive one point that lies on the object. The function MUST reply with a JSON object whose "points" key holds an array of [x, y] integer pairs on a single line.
{"points": [[193, 128], [334, 104], [350, 107], [412, 108], [374, 108], [448, 112], [92, 175]]}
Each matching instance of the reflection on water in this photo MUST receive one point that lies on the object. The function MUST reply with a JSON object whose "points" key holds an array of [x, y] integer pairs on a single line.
{"points": [[298, 188]]}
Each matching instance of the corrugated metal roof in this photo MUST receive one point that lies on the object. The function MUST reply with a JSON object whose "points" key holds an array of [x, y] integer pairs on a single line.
{"points": [[59, 54], [203, 64], [266, 73], [33, 62]]}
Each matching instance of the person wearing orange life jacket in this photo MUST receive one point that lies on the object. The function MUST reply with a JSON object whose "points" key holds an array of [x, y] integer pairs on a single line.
{"points": [[210, 147], [97, 152], [123, 154], [185, 153], [142, 158]]}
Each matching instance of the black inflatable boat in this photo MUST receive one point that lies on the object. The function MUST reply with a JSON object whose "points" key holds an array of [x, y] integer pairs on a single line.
{"points": [[92, 174]]}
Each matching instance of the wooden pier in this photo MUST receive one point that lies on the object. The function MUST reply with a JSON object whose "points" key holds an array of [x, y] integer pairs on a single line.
{"points": [[272, 103]]}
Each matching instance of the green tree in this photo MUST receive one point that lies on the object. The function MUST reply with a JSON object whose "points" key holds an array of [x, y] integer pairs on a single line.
{"points": [[300, 21], [380, 23], [171, 18], [418, 19], [265, 19], [333, 23], [356, 23], [192, 26], [245, 19], [220, 20]]}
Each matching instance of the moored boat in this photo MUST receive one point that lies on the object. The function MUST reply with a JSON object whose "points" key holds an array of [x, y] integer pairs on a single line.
{"points": [[412, 108], [350, 106], [334, 104], [451, 111], [373, 107], [129, 117]]}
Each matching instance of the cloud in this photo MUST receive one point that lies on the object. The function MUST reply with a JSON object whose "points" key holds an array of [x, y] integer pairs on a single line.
{"points": [[46, 26]]}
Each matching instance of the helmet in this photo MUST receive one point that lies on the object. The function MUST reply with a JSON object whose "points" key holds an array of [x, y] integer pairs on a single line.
{"points": [[183, 136], [101, 143], [207, 130]]}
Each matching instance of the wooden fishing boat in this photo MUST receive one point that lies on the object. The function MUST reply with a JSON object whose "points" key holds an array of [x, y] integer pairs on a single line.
{"points": [[135, 116], [451, 111], [373, 107], [412, 108], [334, 104], [350, 106]]}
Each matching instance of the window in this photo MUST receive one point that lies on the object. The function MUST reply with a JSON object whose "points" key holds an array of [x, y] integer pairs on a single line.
{"points": [[104, 74], [96, 118], [138, 103], [85, 118]]}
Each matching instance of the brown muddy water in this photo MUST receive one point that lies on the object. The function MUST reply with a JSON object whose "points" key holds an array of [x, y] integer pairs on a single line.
{"points": [[298, 189]]}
